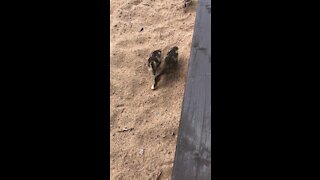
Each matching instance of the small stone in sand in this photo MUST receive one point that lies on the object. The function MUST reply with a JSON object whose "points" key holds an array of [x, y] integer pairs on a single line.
{"points": [[141, 151]]}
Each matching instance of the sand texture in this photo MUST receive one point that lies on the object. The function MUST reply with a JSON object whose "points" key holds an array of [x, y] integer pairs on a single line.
{"points": [[145, 149]]}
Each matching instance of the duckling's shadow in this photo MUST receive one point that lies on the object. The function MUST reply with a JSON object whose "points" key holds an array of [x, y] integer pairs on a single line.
{"points": [[171, 76]]}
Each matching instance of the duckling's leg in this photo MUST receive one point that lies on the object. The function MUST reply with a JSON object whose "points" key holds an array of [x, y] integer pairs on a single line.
{"points": [[153, 83], [156, 79]]}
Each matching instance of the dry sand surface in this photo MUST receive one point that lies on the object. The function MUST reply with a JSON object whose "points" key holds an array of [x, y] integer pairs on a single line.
{"points": [[147, 150]]}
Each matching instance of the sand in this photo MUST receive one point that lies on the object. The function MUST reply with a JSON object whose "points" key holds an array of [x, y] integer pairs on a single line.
{"points": [[146, 151]]}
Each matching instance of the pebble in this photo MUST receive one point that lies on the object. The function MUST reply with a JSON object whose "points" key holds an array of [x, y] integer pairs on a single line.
{"points": [[141, 151]]}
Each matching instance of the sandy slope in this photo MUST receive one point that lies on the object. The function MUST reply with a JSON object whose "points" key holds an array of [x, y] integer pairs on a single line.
{"points": [[148, 149]]}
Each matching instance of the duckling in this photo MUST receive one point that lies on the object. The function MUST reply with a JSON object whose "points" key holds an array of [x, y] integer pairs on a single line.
{"points": [[170, 61], [172, 56], [153, 64], [187, 3]]}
